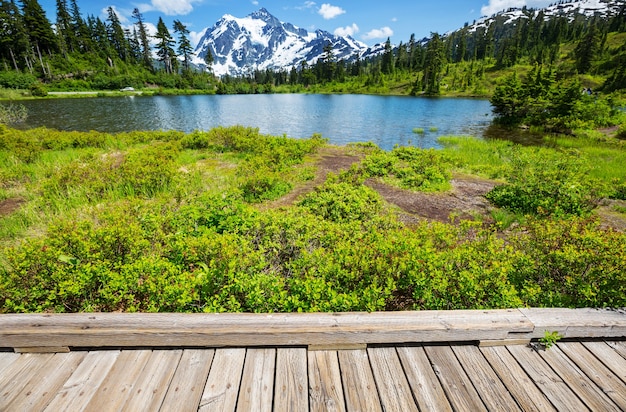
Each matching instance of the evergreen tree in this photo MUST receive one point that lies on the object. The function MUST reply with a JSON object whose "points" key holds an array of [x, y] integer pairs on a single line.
{"points": [[184, 45], [146, 57], [116, 35], [434, 62], [38, 28], [587, 49], [14, 43], [165, 47], [64, 29], [208, 60], [81, 31], [386, 66]]}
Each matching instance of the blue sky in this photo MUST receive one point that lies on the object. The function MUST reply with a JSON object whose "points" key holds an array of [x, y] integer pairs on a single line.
{"points": [[370, 21]]}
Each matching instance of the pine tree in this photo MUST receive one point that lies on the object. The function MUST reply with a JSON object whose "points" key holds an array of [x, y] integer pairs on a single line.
{"points": [[208, 59], [587, 49], [116, 35], [165, 47], [64, 28], [184, 45], [38, 28], [434, 62], [146, 57], [14, 43], [81, 31], [387, 59]]}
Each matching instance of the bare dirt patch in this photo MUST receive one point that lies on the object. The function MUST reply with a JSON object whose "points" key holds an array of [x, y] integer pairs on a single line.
{"points": [[465, 201], [8, 206]]}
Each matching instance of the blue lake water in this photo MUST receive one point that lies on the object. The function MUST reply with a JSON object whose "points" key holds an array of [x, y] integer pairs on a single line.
{"points": [[384, 120]]}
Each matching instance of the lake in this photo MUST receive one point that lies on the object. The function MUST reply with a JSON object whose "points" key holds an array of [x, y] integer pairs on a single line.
{"points": [[384, 120]]}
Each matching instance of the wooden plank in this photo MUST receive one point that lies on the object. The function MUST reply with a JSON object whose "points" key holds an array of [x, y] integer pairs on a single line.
{"points": [[257, 384], [84, 382], [606, 380], [393, 388], [619, 347], [609, 356], [454, 380], [291, 387], [245, 329], [118, 385], [325, 388], [486, 382], [14, 377], [43, 387], [577, 323], [503, 342], [546, 379], [426, 388], [358, 381], [185, 390], [151, 386], [519, 384], [222, 387], [42, 349], [6, 359], [580, 383]]}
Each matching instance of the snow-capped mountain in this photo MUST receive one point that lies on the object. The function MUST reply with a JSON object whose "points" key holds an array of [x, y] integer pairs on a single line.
{"points": [[567, 8], [260, 41]]}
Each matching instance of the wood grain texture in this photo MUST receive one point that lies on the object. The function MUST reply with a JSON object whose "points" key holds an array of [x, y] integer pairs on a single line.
{"points": [[222, 387], [16, 376], [517, 381], [609, 356], [187, 386], [606, 380], [43, 386], [490, 388], [393, 388], [325, 387], [256, 392], [577, 323], [550, 383], [291, 387], [359, 386], [424, 383], [454, 380], [78, 390]]}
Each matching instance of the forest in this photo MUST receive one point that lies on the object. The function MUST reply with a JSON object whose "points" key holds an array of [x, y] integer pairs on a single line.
{"points": [[87, 53]]}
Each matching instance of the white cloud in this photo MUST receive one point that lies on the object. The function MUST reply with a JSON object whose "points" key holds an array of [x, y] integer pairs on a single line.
{"points": [[347, 31], [170, 7], [122, 14], [255, 3], [328, 11], [495, 6], [381, 33]]}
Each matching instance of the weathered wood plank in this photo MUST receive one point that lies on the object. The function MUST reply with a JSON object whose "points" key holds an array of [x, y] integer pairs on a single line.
{"points": [[6, 359], [551, 384], [486, 382], [358, 381], [257, 384], [619, 347], [222, 387], [84, 382], [43, 387], [393, 387], [580, 383], [187, 386], [426, 387], [325, 387], [15, 377], [609, 356], [118, 385], [519, 384], [291, 387], [577, 323], [454, 380], [242, 329], [606, 380], [152, 383]]}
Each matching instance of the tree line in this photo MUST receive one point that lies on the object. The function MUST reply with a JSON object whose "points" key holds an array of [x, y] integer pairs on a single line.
{"points": [[90, 52]]}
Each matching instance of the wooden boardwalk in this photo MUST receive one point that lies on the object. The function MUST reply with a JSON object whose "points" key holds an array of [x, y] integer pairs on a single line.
{"points": [[584, 372]]}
